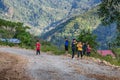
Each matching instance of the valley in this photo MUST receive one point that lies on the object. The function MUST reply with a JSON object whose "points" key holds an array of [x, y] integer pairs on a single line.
{"points": [[41, 13]]}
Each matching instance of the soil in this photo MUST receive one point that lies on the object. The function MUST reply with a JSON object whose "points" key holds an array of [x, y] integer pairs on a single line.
{"points": [[12, 67]]}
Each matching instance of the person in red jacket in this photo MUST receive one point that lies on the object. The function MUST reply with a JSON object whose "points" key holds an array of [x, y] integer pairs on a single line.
{"points": [[37, 47]]}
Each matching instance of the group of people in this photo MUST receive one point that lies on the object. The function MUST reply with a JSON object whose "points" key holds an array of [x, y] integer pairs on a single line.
{"points": [[78, 47]]}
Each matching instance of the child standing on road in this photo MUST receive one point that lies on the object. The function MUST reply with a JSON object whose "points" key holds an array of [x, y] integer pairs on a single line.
{"points": [[88, 50], [37, 47]]}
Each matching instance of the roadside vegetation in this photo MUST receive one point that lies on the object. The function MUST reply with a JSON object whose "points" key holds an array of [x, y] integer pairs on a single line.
{"points": [[15, 30], [18, 30], [108, 58], [49, 47]]}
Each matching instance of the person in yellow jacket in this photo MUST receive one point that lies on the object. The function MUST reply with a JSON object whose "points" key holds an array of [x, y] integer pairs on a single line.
{"points": [[79, 47]]}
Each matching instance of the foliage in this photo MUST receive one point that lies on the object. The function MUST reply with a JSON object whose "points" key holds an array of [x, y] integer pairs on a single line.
{"points": [[107, 58], [117, 52], [17, 30], [87, 36], [109, 11], [72, 27], [41, 13], [49, 47]]}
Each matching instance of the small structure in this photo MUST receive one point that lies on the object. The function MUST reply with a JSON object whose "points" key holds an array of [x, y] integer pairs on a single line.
{"points": [[12, 40], [106, 52]]}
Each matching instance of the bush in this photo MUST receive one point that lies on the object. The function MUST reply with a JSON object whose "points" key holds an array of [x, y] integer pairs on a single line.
{"points": [[7, 44], [117, 53], [48, 47], [87, 36]]}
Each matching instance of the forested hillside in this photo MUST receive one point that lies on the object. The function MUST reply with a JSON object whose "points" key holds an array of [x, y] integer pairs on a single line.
{"points": [[41, 13], [57, 19], [72, 27]]}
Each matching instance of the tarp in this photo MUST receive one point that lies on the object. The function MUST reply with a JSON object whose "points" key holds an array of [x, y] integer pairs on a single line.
{"points": [[106, 52]]}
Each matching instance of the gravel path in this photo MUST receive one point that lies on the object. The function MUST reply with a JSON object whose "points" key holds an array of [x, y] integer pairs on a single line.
{"points": [[51, 67]]}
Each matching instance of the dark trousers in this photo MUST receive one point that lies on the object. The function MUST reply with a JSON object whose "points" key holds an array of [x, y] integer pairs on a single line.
{"points": [[66, 48], [88, 53], [80, 53], [73, 53], [84, 52], [37, 52]]}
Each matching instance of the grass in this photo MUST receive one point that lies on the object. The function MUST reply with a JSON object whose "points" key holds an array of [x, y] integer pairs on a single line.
{"points": [[108, 58], [48, 47], [117, 53], [53, 49]]}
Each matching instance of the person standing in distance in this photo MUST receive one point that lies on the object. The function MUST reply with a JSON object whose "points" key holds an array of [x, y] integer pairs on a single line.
{"points": [[84, 47], [79, 46], [66, 45], [38, 47], [73, 45], [88, 50]]}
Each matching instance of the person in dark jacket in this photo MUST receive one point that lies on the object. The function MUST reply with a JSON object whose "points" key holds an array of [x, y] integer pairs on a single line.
{"points": [[84, 48], [74, 43]]}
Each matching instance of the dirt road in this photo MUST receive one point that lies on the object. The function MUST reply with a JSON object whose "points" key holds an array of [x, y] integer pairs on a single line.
{"points": [[12, 67], [51, 67]]}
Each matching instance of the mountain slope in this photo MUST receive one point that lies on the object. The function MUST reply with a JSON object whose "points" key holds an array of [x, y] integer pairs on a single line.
{"points": [[41, 13], [72, 27], [87, 21]]}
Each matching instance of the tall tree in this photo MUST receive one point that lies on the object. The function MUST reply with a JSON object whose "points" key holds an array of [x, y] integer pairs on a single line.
{"points": [[109, 11]]}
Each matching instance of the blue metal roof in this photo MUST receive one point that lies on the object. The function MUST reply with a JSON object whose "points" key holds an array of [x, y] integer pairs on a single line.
{"points": [[13, 40]]}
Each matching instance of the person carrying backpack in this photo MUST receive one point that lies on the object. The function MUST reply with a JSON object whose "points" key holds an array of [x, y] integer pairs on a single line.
{"points": [[38, 47]]}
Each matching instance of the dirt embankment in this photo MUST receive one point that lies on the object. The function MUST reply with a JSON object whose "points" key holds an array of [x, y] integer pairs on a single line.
{"points": [[12, 67]]}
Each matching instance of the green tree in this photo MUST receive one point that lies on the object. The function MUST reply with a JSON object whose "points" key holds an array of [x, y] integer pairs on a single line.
{"points": [[26, 38], [10, 29], [109, 11], [87, 36]]}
